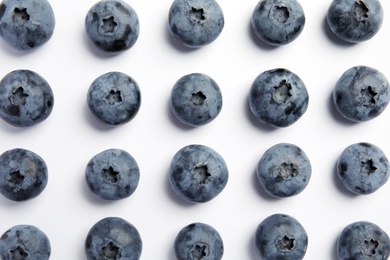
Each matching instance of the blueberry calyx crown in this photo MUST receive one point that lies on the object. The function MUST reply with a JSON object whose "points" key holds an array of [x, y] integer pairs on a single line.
{"points": [[196, 15], [361, 11], [286, 244], [199, 250], [282, 92], [280, 14]]}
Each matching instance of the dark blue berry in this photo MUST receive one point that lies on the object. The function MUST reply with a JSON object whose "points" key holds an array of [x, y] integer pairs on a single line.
{"points": [[114, 98], [26, 98], [278, 22], [113, 238], [198, 173], [23, 174], [195, 22], [196, 99], [198, 241], [112, 174], [112, 25]]}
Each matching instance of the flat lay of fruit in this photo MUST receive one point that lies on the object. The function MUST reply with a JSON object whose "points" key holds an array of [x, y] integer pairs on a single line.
{"points": [[194, 129]]}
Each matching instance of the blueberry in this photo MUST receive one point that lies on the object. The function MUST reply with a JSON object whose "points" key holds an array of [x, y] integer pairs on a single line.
{"points": [[26, 98], [198, 241], [112, 174], [113, 238], [114, 98], [198, 173], [26, 24], [195, 22], [25, 242], [196, 99], [355, 20], [278, 22], [361, 93], [278, 97], [23, 174], [284, 170], [112, 25], [281, 237], [363, 168], [363, 240]]}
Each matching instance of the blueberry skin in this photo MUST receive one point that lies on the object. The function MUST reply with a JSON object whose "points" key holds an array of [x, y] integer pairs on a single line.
{"points": [[195, 23], [284, 170], [23, 174], [198, 173], [26, 24], [196, 99], [361, 93], [281, 237], [114, 98], [112, 25], [363, 240], [112, 174], [26, 98], [363, 168], [113, 238], [278, 98], [25, 242], [355, 20], [278, 22], [198, 241]]}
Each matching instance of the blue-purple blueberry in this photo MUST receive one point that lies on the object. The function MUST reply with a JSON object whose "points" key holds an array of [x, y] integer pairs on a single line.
{"points": [[26, 24], [281, 237], [196, 99], [114, 98], [363, 240], [363, 168], [198, 173], [284, 170], [112, 25], [195, 22], [113, 238], [23, 174], [278, 97], [26, 98], [112, 174], [24, 242], [198, 241], [355, 20], [278, 22], [361, 93]]}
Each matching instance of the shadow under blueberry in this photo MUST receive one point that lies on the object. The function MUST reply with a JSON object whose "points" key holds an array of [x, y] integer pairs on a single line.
{"points": [[332, 37], [336, 115], [256, 40], [252, 253], [334, 253]]}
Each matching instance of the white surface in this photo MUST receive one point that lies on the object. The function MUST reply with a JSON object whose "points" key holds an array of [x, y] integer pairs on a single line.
{"points": [[70, 136]]}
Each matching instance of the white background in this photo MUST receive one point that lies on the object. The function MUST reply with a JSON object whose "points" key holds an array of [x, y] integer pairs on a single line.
{"points": [[67, 140]]}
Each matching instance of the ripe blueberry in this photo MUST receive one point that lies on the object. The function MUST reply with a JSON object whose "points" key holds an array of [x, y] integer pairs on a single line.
{"points": [[196, 99], [198, 173], [355, 20], [23, 174], [363, 240], [363, 168], [114, 98], [26, 98], [278, 22], [281, 237], [24, 242], [198, 241], [361, 93], [112, 174], [284, 170], [278, 97], [113, 238], [195, 22], [26, 24], [112, 25]]}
